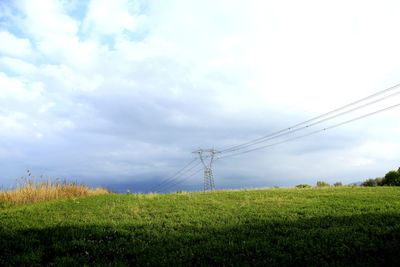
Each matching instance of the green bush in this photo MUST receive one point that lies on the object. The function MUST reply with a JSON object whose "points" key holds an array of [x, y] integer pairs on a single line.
{"points": [[391, 178], [303, 186], [337, 184], [372, 182], [322, 184], [379, 181]]}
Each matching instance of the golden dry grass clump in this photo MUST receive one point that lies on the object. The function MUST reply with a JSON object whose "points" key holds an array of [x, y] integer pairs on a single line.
{"points": [[30, 191]]}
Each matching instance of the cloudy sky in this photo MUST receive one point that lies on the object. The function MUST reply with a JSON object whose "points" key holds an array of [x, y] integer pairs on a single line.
{"points": [[119, 93]]}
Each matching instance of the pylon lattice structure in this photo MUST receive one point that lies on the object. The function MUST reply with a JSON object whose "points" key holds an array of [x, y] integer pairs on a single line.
{"points": [[207, 157]]}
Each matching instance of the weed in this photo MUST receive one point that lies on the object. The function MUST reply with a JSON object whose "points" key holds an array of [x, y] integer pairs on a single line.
{"points": [[29, 190]]}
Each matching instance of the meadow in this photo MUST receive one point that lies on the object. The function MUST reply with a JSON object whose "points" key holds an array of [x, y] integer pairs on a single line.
{"points": [[343, 226]]}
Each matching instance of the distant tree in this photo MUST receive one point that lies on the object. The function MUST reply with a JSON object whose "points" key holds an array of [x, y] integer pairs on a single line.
{"points": [[322, 184], [391, 178], [337, 184], [373, 182], [379, 181], [370, 182], [303, 186]]}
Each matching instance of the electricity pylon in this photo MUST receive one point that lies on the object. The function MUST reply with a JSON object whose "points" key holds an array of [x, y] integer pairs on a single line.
{"points": [[207, 157]]}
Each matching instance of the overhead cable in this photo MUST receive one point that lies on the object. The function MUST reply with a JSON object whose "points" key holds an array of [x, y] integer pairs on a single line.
{"points": [[312, 133], [184, 179], [174, 179], [293, 127], [173, 176], [293, 130]]}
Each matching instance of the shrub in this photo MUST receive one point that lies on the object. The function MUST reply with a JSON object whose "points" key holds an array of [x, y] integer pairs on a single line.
{"points": [[373, 182], [337, 184], [379, 181], [322, 184], [303, 186], [31, 191], [391, 178], [370, 182]]}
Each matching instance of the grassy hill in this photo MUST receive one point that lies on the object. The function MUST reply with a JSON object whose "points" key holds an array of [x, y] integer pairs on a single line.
{"points": [[305, 227]]}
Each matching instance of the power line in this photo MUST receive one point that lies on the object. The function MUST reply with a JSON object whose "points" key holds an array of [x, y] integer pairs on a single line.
{"points": [[291, 128], [314, 132], [184, 179], [175, 179], [173, 176], [311, 124], [171, 182], [167, 184]]}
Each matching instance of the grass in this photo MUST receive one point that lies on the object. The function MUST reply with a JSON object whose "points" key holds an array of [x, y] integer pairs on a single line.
{"points": [[277, 227], [30, 191]]}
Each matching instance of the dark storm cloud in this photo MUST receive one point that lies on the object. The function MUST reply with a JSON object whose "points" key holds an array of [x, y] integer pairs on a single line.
{"points": [[123, 103]]}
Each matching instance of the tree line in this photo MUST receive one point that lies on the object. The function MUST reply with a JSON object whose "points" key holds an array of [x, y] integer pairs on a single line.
{"points": [[391, 178]]}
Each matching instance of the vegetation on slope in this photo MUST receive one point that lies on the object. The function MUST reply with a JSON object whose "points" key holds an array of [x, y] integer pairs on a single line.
{"points": [[392, 178], [340, 226], [31, 191]]}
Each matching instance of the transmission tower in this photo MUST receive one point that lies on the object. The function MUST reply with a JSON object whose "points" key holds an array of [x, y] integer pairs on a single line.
{"points": [[207, 157]]}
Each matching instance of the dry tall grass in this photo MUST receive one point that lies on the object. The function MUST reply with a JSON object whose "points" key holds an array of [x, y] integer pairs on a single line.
{"points": [[30, 191]]}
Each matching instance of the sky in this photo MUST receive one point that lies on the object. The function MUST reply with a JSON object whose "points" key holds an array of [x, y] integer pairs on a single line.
{"points": [[120, 93]]}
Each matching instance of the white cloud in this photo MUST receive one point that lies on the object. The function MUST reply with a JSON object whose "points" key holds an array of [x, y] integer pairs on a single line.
{"points": [[12, 123], [362, 161], [15, 90], [112, 18], [14, 46], [287, 54], [47, 20], [46, 107], [69, 80], [18, 66], [55, 34], [64, 124], [379, 149]]}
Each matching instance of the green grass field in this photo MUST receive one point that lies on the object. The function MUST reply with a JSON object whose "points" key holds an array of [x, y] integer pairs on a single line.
{"points": [[276, 227]]}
